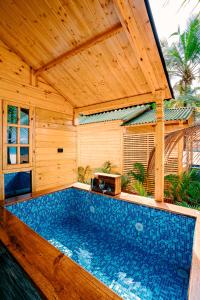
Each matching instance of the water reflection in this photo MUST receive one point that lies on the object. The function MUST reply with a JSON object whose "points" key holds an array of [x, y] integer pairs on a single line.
{"points": [[127, 288], [84, 258], [61, 247]]}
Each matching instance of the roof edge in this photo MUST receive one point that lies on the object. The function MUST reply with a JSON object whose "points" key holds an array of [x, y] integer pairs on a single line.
{"points": [[153, 26]]}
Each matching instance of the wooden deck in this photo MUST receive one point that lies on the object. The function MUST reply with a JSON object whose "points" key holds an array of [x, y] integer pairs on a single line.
{"points": [[56, 275]]}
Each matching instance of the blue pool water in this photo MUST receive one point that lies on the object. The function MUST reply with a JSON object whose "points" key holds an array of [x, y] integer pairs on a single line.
{"points": [[140, 252]]}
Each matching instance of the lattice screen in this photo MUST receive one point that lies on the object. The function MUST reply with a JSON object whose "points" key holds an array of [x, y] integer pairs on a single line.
{"points": [[137, 148]]}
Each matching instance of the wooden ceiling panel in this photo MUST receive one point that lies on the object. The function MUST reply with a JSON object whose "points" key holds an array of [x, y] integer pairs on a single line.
{"points": [[43, 30], [107, 48], [105, 72], [137, 10]]}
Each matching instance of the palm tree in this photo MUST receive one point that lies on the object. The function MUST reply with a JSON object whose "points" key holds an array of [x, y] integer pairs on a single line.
{"points": [[191, 98], [183, 56]]}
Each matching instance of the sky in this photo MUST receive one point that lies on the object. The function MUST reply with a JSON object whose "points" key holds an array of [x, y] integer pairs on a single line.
{"points": [[168, 15]]}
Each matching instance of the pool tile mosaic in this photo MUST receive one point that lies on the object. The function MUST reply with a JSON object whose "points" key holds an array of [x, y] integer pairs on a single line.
{"points": [[141, 253]]}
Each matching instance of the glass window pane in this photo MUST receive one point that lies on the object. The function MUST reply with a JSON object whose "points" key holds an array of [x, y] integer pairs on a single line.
{"points": [[11, 135], [24, 135], [24, 116], [12, 114], [24, 155], [12, 155]]}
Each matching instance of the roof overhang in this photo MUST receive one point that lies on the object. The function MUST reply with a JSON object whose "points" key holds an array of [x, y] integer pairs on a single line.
{"points": [[98, 55]]}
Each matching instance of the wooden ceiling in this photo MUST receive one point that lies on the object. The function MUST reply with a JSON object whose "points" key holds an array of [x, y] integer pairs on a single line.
{"points": [[92, 51]]}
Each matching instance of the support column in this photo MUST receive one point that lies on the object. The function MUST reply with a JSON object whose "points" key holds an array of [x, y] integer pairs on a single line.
{"points": [[159, 151], [180, 156]]}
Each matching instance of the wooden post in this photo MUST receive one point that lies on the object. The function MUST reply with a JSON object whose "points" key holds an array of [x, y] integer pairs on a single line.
{"points": [[159, 151], [180, 156]]}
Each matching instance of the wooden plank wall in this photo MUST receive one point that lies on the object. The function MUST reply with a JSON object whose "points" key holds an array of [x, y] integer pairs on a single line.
{"points": [[16, 85], [52, 131], [53, 122], [99, 142]]}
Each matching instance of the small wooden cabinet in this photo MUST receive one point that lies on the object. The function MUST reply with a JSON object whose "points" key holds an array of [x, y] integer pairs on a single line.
{"points": [[109, 184]]}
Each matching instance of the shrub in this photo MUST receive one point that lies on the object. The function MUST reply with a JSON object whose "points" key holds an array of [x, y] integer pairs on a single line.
{"points": [[106, 168], [140, 175], [138, 172], [125, 180], [84, 174], [184, 188], [139, 188]]}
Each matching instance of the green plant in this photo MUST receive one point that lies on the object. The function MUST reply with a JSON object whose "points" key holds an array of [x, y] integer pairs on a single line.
{"points": [[139, 188], [106, 168], [140, 175], [84, 174], [138, 172], [184, 188], [182, 59], [125, 180], [185, 204]]}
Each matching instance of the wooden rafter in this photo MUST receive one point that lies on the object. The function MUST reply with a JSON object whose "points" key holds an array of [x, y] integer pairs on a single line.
{"points": [[89, 43], [33, 77], [128, 16], [57, 90], [117, 103]]}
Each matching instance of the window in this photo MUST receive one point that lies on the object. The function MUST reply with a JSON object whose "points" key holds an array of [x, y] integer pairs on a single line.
{"points": [[17, 136]]}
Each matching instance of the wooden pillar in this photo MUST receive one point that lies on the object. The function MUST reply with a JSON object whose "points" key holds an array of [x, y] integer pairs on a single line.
{"points": [[159, 151], [190, 141], [180, 156]]}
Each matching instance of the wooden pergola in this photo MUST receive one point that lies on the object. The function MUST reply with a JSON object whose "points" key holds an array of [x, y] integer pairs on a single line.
{"points": [[97, 55]]}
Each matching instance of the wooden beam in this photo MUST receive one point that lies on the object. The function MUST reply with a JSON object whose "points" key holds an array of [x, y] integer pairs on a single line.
{"points": [[159, 151], [116, 103], [129, 15], [57, 90], [82, 47]]}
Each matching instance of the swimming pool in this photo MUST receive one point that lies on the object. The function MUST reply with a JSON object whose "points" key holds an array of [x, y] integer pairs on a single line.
{"points": [[138, 251]]}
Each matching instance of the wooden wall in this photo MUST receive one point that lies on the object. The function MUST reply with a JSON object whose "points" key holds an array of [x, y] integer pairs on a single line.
{"points": [[52, 131], [52, 123], [99, 142]]}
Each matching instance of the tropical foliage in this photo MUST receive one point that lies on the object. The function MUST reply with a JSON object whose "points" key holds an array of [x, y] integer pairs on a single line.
{"points": [[184, 188], [139, 188], [125, 181], [107, 167], [182, 59], [84, 174], [139, 174]]}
